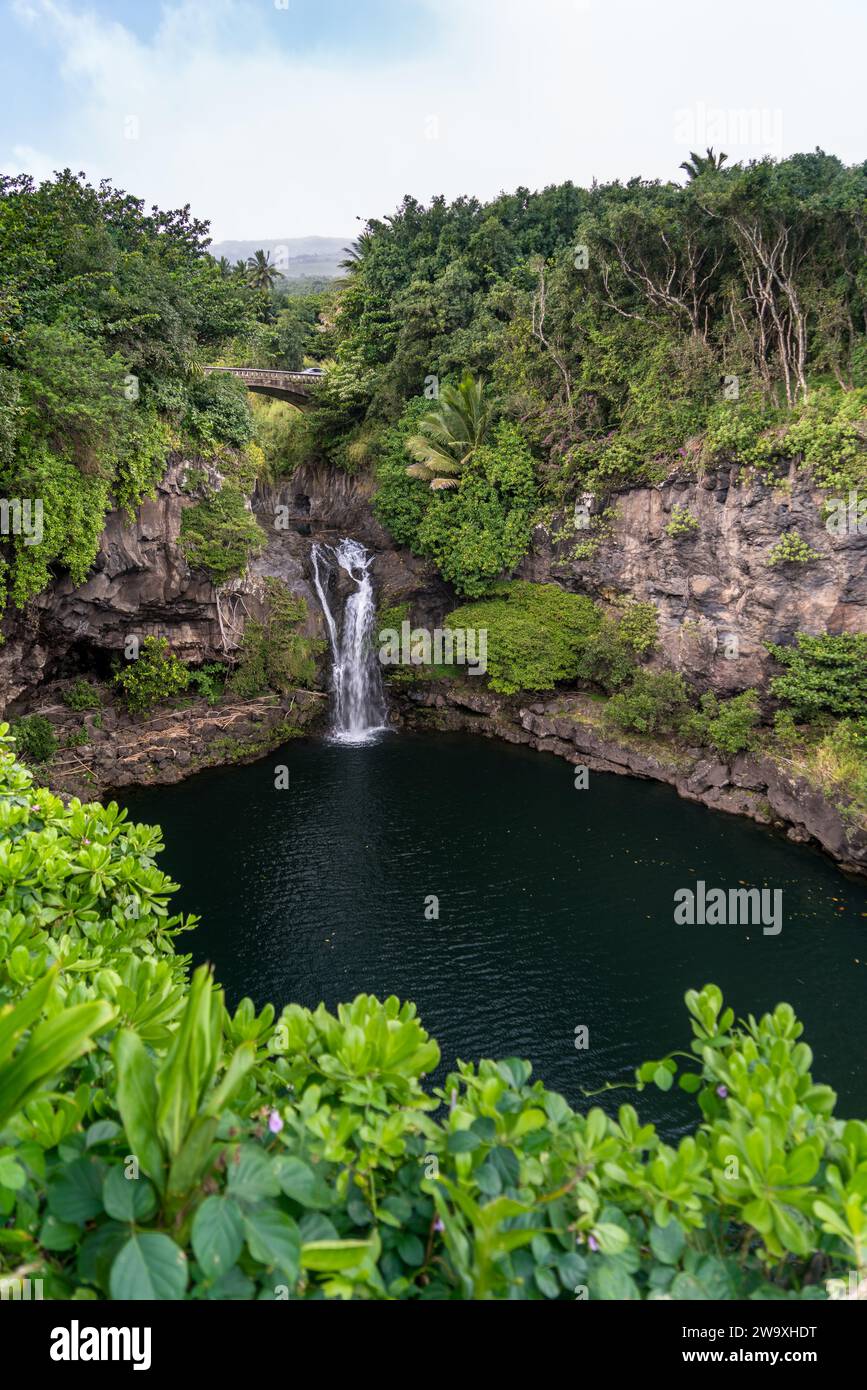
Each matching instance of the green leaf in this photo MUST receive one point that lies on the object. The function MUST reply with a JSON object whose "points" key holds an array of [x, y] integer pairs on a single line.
{"points": [[462, 1141], [411, 1251], [137, 1103], [252, 1175], [613, 1240], [11, 1173], [663, 1078], [303, 1184], [690, 1081], [75, 1194], [334, 1254], [217, 1235], [50, 1048], [149, 1266], [58, 1235], [273, 1240], [667, 1242], [128, 1199]]}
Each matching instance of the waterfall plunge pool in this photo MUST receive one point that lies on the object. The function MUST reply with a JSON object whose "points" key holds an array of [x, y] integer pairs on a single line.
{"points": [[556, 906]]}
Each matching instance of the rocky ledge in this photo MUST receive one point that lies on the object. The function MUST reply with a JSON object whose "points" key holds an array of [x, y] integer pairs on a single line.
{"points": [[571, 727], [106, 750]]}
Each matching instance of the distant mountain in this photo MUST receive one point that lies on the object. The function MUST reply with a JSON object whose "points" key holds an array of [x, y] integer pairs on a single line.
{"points": [[296, 257]]}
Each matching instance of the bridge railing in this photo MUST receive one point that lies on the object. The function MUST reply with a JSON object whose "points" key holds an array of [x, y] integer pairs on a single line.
{"points": [[269, 376]]}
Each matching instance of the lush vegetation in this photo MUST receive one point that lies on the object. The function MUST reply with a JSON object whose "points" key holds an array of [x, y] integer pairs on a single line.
{"points": [[106, 313], [154, 675], [154, 1145], [823, 675], [275, 654], [622, 331]]}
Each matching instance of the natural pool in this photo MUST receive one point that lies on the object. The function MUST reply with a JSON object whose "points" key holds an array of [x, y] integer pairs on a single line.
{"points": [[556, 905]]}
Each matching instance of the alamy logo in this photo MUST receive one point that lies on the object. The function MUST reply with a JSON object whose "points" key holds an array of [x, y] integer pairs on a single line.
{"points": [[720, 907], [22, 516], [846, 517], [444, 646], [75, 1343]]}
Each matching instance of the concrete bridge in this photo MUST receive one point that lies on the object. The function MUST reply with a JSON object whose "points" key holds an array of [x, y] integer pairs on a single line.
{"points": [[296, 387]]}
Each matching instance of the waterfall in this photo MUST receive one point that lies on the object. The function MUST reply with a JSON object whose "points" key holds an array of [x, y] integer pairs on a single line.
{"points": [[359, 704]]}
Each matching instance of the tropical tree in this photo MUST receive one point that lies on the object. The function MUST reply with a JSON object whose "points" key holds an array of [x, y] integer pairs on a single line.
{"points": [[356, 253], [708, 163], [224, 265], [449, 434], [260, 272]]}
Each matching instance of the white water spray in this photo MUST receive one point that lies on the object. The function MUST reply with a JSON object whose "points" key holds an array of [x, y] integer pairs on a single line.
{"points": [[359, 704]]}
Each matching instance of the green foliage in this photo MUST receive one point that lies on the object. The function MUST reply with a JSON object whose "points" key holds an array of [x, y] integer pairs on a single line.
{"points": [[728, 726], [449, 434], [82, 695], [209, 681], [475, 531], [220, 534], [656, 702], [615, 366], [35, 738], [157, 1146], [218, 412], [103, 309], [825, 674], [156, 675], [682, 523], [536, 633], [791, 549], [275, 654], [638, 625]]}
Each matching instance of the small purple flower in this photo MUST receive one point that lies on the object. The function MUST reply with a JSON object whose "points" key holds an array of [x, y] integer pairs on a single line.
{"points": [[722, 1092], [593, 1242], [438, 1224], [275, 1122]]}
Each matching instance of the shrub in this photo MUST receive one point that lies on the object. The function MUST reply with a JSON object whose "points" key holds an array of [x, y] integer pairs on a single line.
{"points": [[274, 655], [218, 412], [535, 634], [209, 681], [791, 549], [726, 725], [82, 695], [825, 674], [638, 626], [606, 658], [302, 1156], [35, 738], [156, 675], [682, 523], [220, 534], [655, 703], [785, 730]]}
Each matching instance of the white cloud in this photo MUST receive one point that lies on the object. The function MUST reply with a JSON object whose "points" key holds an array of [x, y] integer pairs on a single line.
{"points": [[26, 160], [265, 142]]}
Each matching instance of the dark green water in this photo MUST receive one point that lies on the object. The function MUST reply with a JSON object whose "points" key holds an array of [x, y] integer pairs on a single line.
{"points": [[555, 905]]}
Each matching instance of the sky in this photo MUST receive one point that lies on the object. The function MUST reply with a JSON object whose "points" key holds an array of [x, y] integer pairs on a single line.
{"points": [[283, 118]]}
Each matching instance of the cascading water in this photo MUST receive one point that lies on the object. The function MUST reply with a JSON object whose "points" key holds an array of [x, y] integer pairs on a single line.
{"points": [[359, 704]]}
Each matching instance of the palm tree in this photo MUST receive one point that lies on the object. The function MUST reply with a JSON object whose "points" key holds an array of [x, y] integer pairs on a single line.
{"points": [[240, 268], [708, 163], [224, 265], [449, 434], [357, 252], [260, 272]]}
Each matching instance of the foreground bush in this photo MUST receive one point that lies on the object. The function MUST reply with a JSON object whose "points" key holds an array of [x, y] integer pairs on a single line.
{"points": [[153, 1145]]}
